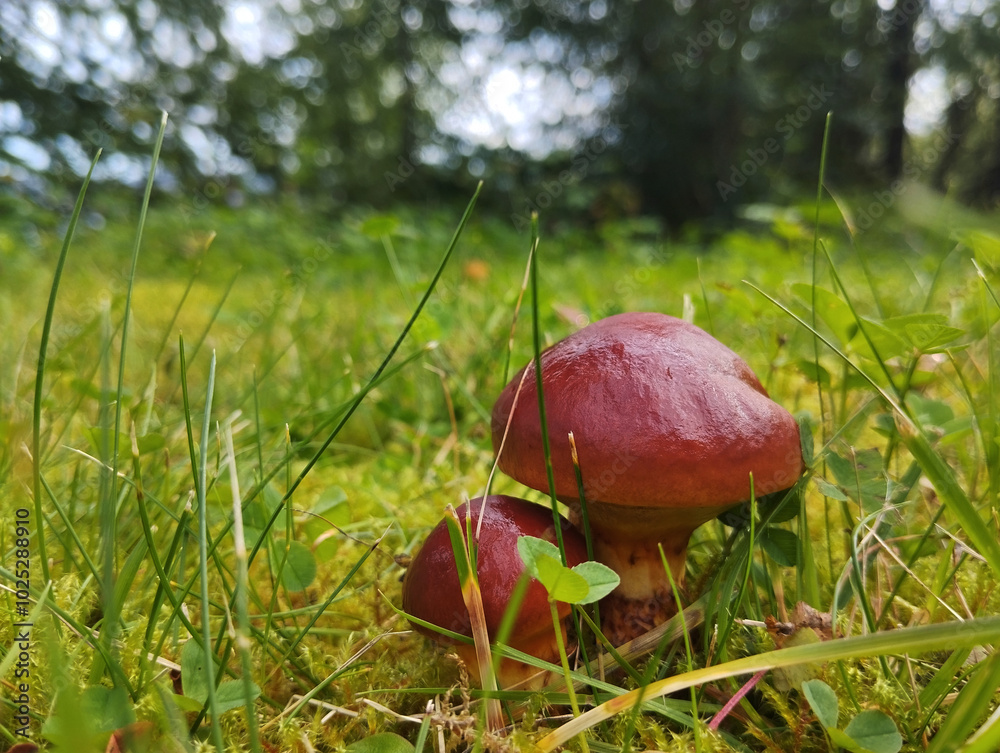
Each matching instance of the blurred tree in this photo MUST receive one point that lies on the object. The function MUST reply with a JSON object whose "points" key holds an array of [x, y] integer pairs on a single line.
{"points": [[691, 108], [724, 101], [317, 96], [725, 97], [78, 75], [339, 116], [966, 47]]}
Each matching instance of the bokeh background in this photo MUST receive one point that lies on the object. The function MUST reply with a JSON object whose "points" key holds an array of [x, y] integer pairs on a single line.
{"points": [[685, 110]]}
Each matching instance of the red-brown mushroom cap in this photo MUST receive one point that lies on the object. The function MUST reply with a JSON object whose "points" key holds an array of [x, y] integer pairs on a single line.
{"points": [[663, 415], [431, 589]]}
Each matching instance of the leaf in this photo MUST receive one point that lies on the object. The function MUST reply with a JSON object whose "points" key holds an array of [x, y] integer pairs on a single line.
{"points": [[829, 490], [926, 333], [737, 517], [530, 548], [383, 742], [299, 569], [874, 731], [862, 477], [842, 740], [779, 507], [823, 701], [107, 708], [230, 695], [188, 704], [782, 546], [985, 245], [929, 413], [886, 343], [333, 505], [831, 309], [600, 578], [806, 439], [813, 371], [583, 584], [193, 672], [787, 678], [561, 583]]}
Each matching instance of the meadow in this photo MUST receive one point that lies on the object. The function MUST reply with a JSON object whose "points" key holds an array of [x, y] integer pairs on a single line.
{"points": [[229, 453]]}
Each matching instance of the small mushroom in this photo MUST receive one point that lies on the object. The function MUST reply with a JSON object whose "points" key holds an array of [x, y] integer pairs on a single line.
{"points": [[669, 425], [432, 593]]}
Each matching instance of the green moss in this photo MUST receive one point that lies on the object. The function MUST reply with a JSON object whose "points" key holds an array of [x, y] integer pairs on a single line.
{"points": [[299, 310]]}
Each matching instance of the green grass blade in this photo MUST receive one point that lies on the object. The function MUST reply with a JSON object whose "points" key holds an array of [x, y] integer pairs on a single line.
{"points": [[815, 259], [106, 502], [127, 315], [536, 340], [321, 608], [860, 322], [36, 414], [463, 548], [215, 314], [110, 492], [951, 493], [206, 429], [311, 463], [241, 597], [894, 642], [918, 443], [972, 703], [71, 530], [200, 340], [186, 404], [986, 739], [991, 426], [168, 330]]}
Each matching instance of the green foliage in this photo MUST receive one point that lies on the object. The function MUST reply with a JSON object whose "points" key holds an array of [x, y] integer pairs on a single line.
{"points": [[871, 731], [584, 583], [382, 742], [823, 701], [197, 677], [370, 102], [296, 565], [351, 469]]}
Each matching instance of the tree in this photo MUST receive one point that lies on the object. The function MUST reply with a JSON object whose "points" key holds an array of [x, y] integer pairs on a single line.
{"points": [[77, 76]]}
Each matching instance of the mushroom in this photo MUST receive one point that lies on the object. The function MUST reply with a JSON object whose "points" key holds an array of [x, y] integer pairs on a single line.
{"points": [[431, 590], [669, 424]]}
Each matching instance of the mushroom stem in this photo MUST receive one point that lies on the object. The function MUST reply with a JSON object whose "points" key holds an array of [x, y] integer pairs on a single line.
{"points": [[629, 543], [644, 599]]}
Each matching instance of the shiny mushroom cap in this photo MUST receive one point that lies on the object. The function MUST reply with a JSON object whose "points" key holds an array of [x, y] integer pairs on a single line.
{"points": [[669, 424], [663, 415], [432, 593]]}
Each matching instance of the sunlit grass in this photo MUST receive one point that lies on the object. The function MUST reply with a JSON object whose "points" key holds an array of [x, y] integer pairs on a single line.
{"points": [[277, 339]]}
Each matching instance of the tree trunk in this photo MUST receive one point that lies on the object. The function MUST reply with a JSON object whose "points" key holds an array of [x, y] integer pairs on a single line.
{"points": [[898, 71]]}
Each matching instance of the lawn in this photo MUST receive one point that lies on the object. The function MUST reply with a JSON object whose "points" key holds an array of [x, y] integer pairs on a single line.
{"points": [[252, 372]]}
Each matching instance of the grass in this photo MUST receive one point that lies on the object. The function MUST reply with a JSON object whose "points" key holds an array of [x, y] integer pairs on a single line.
{"points": [[230, 448]]}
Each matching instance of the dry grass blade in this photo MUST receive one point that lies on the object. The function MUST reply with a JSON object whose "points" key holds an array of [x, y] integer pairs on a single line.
{"points": [[473, 599], [905, 640]]}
